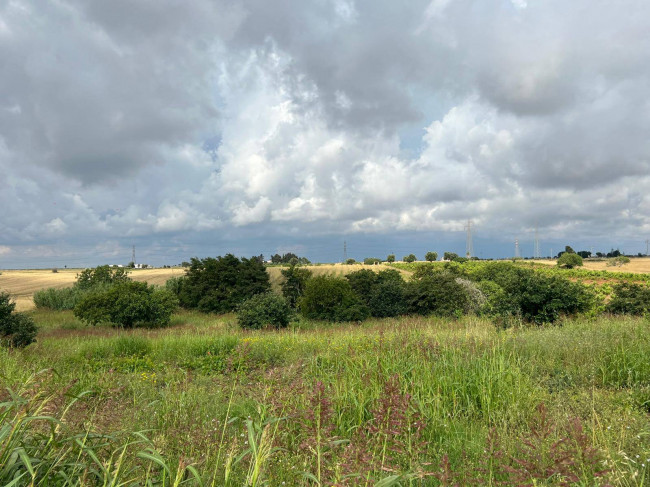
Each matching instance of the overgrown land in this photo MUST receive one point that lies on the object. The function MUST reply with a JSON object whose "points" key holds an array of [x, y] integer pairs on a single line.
{"points": [[417, 374]]}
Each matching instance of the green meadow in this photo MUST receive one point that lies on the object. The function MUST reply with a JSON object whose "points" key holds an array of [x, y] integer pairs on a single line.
{"points": [[405, 401]]}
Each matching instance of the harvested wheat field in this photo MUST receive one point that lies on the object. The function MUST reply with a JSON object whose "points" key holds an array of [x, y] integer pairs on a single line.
{"points": [[22, 284], [637, 265]]}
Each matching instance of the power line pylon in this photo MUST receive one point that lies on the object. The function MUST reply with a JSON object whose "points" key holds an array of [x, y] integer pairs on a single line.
{"points": [[469, 247]]}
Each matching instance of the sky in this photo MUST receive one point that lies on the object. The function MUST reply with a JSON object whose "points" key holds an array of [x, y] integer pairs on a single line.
{"points": [[261, 126]]}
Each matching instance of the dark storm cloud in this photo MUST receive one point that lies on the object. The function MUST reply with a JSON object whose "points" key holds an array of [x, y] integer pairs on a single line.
{"points": [[530, 111]]}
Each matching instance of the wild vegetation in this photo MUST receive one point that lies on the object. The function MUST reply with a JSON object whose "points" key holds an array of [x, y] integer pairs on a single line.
{"points": [[463, 374]]}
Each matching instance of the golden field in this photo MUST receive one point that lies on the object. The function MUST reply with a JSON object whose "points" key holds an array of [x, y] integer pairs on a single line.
{"points": [[22, 284], [637, 265]]}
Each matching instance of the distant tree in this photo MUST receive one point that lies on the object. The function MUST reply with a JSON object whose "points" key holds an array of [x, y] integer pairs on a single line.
{"points": [[585, 254], [431, 256], [390, 258], [569, 250], [103, 274], [276, 259], [614, 253], [569, 260], [450, 256], [350, 262], [131, 265], [409, 258], [371, 261], [185, 264], [600, 254]]}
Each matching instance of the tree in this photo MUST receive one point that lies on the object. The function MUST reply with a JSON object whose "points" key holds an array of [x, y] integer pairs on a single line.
{"points": [[614, 253], [569, 250], [618, 261], [450, 256], [220, 284], [276, 259], [101, 275], [431, 256], [409, 258], [585, 254], [569, 260], [390, 258]]}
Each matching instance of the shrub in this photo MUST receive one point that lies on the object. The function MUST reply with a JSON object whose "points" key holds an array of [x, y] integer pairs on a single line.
{"points": [[175, 284], [332, 298], [437, 293], [390, 258], [128, 304], [569, 260], [220, 285], [431, 256], [535, 297], [476, 300], [266, 310], [371, 261], [293, 286], [409, 258], [618, 261], [387, 299], [350, 262], [362, 283], [629, 298], [16, 329], [58, 299]]}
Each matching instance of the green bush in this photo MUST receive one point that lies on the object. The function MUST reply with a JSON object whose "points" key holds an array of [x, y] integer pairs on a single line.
{"points": [[332, 298], [17, 330], [390, 258], [293, 287], [266, 310], [58, 299], [371, 261], [438, 293], [220, 284], [409, 258], [629, 298], [362, 283], [175, 285], [128, 304], [569, 260], [387, 299]]}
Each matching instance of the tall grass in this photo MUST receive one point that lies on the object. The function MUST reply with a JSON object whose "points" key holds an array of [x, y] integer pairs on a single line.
{"points": [[409, 401]]}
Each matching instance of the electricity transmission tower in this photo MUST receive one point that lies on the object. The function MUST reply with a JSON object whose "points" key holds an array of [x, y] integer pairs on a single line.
{"points": [[536, 252], [646, 247], [345, 251], [133, 255], [469, 248], [517, 254]]}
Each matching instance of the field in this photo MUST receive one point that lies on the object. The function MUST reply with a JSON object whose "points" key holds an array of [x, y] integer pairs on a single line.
{"points": [[403, 401], [637, 265]]}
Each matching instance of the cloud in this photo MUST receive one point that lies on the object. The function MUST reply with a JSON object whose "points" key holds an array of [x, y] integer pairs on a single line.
{"points": [[160, 123]]}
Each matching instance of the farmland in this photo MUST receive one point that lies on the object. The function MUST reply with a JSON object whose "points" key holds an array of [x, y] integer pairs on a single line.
{"points": [[404, 401]]}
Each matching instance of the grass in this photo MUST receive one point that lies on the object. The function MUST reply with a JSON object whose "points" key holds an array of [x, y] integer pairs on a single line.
{"points": [[409, 401]]}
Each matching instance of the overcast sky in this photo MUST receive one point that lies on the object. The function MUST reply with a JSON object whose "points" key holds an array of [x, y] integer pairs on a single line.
{"points": [[260, 126]]}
